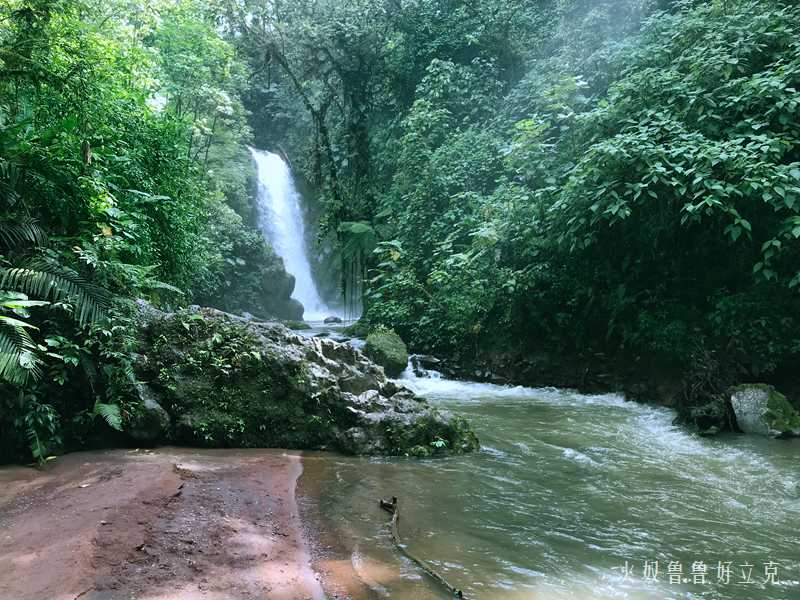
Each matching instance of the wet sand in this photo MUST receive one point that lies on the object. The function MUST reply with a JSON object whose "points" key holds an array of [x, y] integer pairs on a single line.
{"points": [[172, 523]]}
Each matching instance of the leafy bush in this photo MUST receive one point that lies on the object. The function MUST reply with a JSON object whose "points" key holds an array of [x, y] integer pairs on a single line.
{"points": [[121, 135]]}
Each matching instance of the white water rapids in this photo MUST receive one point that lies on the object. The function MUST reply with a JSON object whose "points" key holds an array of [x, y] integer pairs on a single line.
{"points": [[567, 492], [281, 222]]}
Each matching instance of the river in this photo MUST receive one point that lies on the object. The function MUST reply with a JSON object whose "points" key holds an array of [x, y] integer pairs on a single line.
{"points": [[572, 496]]}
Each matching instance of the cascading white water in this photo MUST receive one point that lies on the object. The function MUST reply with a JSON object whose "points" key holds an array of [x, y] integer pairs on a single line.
{"points": [[281, 221]]}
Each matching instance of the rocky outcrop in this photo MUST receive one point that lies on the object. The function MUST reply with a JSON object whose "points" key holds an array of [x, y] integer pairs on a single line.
{"points": [[762, 410], [250, 277], [148, 422], [387, 349], [227, 381]]}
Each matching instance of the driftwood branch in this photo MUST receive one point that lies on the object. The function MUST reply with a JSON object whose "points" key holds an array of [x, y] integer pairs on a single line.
{"points": [[393, 508]]}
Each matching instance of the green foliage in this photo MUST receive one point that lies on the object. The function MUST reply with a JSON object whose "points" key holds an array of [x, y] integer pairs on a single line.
{"points": [[122, 134], [587, 177], [580, 178], [55, 283], [31, 425], [18, 359], [110, 413]]}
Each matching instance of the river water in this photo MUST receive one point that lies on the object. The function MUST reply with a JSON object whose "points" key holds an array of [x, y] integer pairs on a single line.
{"points": [[568, 498]]}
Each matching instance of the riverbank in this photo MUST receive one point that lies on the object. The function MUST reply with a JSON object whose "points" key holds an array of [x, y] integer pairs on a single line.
{"points": [[161, 524], [699, 393]]}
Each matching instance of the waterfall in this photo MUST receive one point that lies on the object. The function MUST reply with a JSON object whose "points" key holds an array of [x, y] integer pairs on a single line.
{"points": [[281, 221]]}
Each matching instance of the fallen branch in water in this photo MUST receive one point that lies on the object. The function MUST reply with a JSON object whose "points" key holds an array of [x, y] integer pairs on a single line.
{"points": [[394, 510]]}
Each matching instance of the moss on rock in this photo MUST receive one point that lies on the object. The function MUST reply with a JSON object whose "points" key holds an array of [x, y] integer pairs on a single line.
{"points": [[297, 325], [761, 409], [147, 421], [227, 381], [358, 329], [711, 417], [781, 415], [387, 349]]}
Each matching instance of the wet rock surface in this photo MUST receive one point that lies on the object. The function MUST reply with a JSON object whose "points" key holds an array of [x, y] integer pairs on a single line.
{"points": [[172, 523], [387, 349], [762, 410]]}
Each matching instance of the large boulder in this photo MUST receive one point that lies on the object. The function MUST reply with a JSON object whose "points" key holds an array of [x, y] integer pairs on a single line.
{"points": [[387, 349], [252, 277], [148, 421], [762, 410], [227, 381]]}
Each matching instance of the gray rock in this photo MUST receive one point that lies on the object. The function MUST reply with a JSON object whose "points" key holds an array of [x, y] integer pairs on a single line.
{"points": [[329, 320], [147, 310], [228, 381], [762, 410], [150, 423], [292, 310]]}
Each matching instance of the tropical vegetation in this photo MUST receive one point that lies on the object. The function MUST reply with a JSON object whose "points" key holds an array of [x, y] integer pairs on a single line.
{"points": [[611, 185]]}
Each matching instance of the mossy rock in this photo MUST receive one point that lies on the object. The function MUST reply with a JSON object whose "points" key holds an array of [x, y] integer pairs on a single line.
{"points": [[147, 422], [711, 417], [387, 349], [359, 329], [226, 381], [761, 409], [781, 415], [297, 325]]}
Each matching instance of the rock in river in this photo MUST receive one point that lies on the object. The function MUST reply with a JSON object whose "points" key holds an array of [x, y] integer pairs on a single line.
{"points": [[387, 349], [760, 409], [227, 381]]}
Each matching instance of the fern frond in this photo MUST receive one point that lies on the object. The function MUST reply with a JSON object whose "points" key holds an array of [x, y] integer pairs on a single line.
{"points": [[110, 413], [129, 373], [23, 229], [57, 283], [154, 284]]}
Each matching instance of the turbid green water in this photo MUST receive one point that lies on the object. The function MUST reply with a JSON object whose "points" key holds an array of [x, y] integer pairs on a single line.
{"points": [[566, 489]]}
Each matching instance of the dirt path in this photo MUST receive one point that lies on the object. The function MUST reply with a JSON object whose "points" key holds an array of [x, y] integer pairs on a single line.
{"points": [[169, 524]]}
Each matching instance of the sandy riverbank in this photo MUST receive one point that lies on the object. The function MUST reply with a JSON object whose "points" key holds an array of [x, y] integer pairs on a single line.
{"points": [[172, 523]]}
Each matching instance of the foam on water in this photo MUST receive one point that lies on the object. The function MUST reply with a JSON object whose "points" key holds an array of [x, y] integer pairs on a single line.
{"points": [[568, 486]]}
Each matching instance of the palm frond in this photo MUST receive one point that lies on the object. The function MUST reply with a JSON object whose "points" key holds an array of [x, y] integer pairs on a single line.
{"points": [[154, 284], [23, 229], [18, 359], [110, 413], [38, 450], [58, 283]]}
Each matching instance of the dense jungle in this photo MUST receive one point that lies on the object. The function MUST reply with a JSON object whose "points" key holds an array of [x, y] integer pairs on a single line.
{"points": [[522, 236]]}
